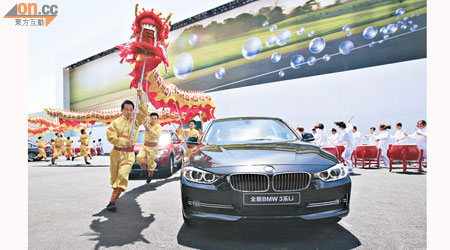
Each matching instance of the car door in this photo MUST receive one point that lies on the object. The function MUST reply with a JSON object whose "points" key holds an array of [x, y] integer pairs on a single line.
{"points": [[177, 148]]}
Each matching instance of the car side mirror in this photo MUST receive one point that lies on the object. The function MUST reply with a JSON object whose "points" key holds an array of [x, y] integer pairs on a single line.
{"points": [[307, 137], [193, 140], [177, 141]]}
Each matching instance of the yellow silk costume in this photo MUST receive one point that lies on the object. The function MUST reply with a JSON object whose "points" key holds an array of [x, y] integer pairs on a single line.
{"points": [[69, 150], [147, 154], [41, 148], [58, 148], [118, 133], [84, 148]]}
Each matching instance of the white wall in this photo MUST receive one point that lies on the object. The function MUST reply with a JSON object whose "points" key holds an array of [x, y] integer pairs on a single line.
{"points": [[384, 94]]}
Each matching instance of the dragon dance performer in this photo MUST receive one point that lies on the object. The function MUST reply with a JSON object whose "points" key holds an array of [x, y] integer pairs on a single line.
{"points": [[69, 150], [58, 148], [84, 148], [122, 156], [41, 149], [190, 132], [147, 153]]}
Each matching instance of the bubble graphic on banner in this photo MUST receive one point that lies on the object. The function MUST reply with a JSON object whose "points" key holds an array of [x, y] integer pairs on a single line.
{"points": [[317, 45], [300, 31], [346, 47], [326, 57], [271, 41], [297, 61], [400, 12], [385, 37], [404, 27], [405, 19], [392, 28], [409, 22], [370, 32], [383, 30], [276, 57], [183, 65], [283, 37], [311, 60], [371, 44], [346, 28], [273, 28], [414, 27], [220, 73], [311, 33], [251, 48], [193, 39], [265, 24], [281, 73], [349, 34]]}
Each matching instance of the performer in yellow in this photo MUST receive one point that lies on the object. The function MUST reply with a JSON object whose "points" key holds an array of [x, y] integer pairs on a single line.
{"points": [[122, 156], [41, 149], [190, 132], [147, 153], [84, 148], [58, 148], [69, 150]]}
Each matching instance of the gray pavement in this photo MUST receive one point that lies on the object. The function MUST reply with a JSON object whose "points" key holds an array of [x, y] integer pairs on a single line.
{"points": [[66, 211]]}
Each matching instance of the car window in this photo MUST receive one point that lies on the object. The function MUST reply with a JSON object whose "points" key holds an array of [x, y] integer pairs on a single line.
{"points": [[248, 130]]}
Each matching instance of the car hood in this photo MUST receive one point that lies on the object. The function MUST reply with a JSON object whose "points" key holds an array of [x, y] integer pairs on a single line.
{"points": [[250, 157]]}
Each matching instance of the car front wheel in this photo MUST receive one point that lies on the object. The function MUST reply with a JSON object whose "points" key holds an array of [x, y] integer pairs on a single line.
{"points": [[31, 156]]}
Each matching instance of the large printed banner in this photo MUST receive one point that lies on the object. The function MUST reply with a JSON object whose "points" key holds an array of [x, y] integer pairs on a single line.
{"points": [[267, 41]]}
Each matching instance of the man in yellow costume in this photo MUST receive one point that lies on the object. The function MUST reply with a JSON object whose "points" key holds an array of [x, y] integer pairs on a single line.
{"points": [[122, 156], [58, 148], [190, 132], [147, 153], [69, 150], [41, 149], [84, 148]]}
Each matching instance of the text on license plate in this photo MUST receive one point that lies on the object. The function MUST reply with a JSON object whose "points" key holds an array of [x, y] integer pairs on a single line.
{"points": [[271, 199]]}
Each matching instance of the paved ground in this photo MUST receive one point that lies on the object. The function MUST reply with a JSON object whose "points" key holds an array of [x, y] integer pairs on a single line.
{"points": [[66, 211]]}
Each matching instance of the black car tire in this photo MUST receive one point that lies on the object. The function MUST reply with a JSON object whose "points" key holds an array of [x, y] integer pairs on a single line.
{"points": [[180, 164], [31, 156], [330, 220], [170, 167]]}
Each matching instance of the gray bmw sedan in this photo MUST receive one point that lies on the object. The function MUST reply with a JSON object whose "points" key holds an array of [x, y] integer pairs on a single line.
{"points": [[256, 168]]}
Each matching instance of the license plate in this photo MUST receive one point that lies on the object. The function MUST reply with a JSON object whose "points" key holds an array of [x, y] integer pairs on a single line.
{"points": [[271, 199]]}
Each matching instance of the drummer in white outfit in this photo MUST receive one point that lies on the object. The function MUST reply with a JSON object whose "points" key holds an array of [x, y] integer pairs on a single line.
{"points": [[334, 137], [347, 139], [371, 136], [383, 143], [399, 137], [322, 137], [356, 136], [421, 136]]}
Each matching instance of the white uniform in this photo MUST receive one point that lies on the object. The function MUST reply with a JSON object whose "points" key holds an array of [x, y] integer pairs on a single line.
{"points": [[347, 139], [399, 137], [421, 140], [371, 138], [334, 139], [356, 138], [322, 137], [383, 144]]}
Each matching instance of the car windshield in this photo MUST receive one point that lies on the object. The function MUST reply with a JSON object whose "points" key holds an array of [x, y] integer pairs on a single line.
{"points": [[248, 130], [165, 138]]}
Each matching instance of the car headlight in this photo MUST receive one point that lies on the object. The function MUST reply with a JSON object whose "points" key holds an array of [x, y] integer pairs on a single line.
{"points": [[162, 152], [334, 173], [199, 176]]}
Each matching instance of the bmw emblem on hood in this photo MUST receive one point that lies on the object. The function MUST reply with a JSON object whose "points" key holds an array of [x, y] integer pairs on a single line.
{"points": [[269, 169]]}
